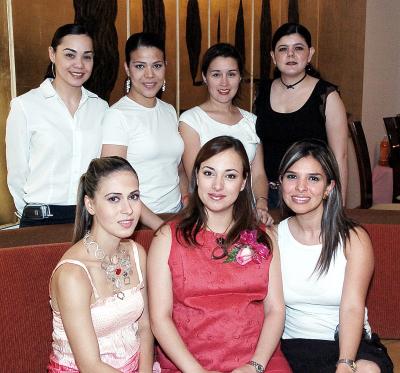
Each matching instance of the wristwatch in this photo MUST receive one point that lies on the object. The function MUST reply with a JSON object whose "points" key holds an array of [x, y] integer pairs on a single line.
{"points": [[259, 367], [349, 362]]}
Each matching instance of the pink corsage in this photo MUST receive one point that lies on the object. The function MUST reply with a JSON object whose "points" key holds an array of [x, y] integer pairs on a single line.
{"points": [[247, 249]]}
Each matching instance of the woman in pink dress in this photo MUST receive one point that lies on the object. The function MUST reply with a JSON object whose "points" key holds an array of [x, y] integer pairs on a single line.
{"points": [[97, 290], [215, 289]]}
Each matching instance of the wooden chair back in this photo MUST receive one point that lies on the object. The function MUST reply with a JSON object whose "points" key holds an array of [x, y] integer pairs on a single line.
{"points": [[392, 125], [363, 162]]}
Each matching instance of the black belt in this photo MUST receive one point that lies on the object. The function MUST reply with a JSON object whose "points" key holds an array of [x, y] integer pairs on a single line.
{"points": [[41, 211]]}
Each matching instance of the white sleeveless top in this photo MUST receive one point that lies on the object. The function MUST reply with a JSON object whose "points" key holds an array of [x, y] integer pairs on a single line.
{"points": [[115, 322], [312, 302]]}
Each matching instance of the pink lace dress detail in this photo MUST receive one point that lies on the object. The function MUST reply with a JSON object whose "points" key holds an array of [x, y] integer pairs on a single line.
{"points": [[115, 322]]}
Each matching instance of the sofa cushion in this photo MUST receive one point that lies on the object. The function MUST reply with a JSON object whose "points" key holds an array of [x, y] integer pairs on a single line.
{"points": [[383, 300]]}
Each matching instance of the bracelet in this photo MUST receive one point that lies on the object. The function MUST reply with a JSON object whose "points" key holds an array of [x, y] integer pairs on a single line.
{"points": [[349, 362], [259, 368]]}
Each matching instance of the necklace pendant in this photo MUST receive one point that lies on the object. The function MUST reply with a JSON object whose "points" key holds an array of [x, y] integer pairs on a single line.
{"points": [[118, 271], [121, 295]]}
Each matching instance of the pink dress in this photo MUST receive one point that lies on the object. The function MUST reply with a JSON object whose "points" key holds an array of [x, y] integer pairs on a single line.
{"points": [[115, 322], [218, 307]]}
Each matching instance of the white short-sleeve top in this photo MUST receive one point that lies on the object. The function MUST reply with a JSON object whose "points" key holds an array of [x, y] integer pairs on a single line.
{"points": [[154, 149], [208, 128]]}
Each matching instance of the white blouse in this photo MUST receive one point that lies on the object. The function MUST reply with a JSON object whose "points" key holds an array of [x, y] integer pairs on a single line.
{"points": [[47, 148]]}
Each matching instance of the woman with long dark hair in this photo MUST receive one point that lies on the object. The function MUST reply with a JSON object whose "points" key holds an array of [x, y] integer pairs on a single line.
{"points": [[327, 263], [54, 131], [296, 105], [144, 129], [98, 288], [215, 289], [222, 71]]}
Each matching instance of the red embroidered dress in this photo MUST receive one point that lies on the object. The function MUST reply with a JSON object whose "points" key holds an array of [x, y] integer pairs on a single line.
{"points": [[218, 307]]}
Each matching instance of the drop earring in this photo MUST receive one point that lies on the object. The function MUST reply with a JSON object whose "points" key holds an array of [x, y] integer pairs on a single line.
{"points": [[127, 85], [52, 70], [163, 86]]}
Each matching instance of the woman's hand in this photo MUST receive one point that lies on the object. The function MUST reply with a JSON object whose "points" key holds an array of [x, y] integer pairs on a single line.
{"points": [[262, 211], [343, 368], [244, 369]]}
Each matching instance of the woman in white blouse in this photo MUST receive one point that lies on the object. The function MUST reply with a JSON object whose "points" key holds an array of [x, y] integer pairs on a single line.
{"points": [[222, 70], [144, 130], [53, 132]]}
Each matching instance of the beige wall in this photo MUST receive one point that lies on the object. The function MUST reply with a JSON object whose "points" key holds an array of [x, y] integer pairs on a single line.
{"points": [[381, 93], [381, 81]]}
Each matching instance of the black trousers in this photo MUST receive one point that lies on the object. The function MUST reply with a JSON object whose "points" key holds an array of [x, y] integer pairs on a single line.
{"points": [[320, 356]]}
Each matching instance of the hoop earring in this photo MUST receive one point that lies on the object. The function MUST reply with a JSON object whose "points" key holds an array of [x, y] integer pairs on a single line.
{"points": [[52, 70], [127, 85], [163, 86]]}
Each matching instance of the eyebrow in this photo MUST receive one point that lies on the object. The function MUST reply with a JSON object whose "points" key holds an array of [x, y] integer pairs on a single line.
{"points": [[295, 44], [120, 194], [227, 170], [310, 174], [73, 50], [217, 70], [145, 63]]}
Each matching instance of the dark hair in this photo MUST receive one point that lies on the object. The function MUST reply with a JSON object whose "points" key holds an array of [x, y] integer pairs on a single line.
{"points": [[193, 218], [335, 225], [289, 29], [88, 185], [68, 29], [221, 50], [143, 39]]}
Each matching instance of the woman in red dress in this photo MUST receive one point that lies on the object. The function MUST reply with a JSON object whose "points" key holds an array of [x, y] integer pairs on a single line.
{"points": [[215, 288]]}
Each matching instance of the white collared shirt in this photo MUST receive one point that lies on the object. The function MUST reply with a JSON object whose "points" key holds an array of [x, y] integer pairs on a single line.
{"points": [[47, 148]]}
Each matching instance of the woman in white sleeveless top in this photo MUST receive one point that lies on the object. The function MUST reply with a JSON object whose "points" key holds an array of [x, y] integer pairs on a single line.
{"points": [[327, 264], [98, 290]]}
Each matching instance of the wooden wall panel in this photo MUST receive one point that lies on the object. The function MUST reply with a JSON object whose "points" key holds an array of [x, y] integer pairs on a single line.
{"points": [[7, 205], [309, 17], [34, 25], [121, 26], [341, 49], [170, 48]]}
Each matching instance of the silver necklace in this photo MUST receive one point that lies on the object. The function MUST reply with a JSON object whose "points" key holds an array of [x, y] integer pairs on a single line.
{"points": [[117, 267]]}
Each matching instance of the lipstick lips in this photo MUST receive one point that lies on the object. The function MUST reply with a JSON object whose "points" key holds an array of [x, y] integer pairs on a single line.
{"points": [[224, 91], [216, 196], [77, 75], [150, 85], [300, 199], [127, 223]]}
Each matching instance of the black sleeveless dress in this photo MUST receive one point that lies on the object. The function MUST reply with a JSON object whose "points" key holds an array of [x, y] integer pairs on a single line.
{"points": [[278, 131]]}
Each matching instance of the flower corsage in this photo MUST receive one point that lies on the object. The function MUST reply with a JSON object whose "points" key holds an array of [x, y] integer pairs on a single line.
{"points": [[247, 249]]}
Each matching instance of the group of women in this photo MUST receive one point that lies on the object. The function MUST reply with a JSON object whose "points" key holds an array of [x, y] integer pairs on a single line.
{"points": [[217, 278]]}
